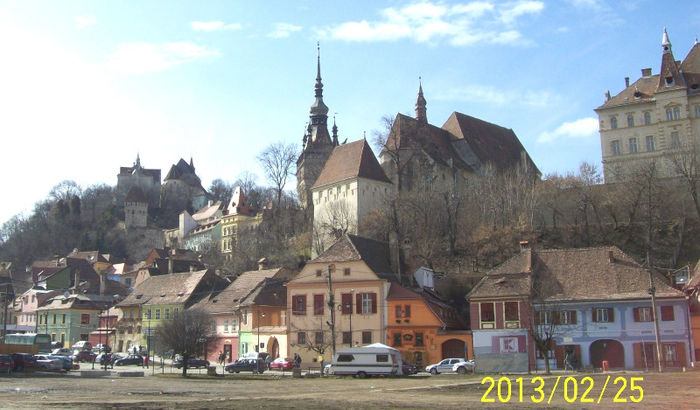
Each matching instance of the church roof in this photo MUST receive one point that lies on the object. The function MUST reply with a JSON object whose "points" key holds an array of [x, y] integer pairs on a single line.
{"points": [[352, 160]]}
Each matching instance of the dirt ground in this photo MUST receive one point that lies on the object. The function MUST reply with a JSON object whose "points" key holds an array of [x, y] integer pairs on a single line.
{"points": [[679, 390]]}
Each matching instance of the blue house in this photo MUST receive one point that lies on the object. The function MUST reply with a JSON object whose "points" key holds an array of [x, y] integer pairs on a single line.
{"points": [[594, 302]]}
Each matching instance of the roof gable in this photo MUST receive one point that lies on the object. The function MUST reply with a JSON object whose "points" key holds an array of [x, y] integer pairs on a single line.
{"points": [[352, 160], [351, 248]]}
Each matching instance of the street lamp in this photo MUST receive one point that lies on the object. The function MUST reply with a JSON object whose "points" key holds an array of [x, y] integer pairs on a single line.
{"points": [[257, 347]]}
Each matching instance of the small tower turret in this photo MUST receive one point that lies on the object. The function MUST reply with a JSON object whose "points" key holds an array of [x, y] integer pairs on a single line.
{"points": [[421, 111]]}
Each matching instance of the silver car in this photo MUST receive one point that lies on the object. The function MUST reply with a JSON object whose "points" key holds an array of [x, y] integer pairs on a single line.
{"points": [[445, 366], [464, 367]]}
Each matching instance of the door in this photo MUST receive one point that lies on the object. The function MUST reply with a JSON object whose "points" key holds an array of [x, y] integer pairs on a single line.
{"points": [[227, 351], [454, 348], [610, 350]]}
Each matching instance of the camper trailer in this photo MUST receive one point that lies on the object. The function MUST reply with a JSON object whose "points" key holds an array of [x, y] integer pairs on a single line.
{"points": [[372, 360]]}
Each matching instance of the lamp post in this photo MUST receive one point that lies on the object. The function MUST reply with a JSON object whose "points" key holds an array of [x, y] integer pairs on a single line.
{"points": [[257, 347], [331, 305]]}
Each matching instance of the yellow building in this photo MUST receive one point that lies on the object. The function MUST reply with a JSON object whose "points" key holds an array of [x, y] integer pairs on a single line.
{"points": [[361, 272], [238, 218]]}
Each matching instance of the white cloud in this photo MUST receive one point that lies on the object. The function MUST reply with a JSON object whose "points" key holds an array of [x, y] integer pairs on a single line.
{"points": [[429, 22], [583, 128], [283, 30], [142, 57], [214, 26], [492, 96], [82, 22]]}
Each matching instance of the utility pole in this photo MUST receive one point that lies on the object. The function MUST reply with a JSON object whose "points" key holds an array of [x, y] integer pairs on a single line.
{"points": [[4, 315], [331, 305]]}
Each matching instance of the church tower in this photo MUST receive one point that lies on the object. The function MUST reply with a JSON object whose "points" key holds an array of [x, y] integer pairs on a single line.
{"points": [[421, 110], [317, 143]]}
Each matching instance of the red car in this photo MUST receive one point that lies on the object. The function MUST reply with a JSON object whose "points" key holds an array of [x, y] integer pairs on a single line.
{"points": [[282, 363]]}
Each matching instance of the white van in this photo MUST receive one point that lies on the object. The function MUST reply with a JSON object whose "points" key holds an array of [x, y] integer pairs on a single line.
{"points": [[371, 360], [82, 345]]}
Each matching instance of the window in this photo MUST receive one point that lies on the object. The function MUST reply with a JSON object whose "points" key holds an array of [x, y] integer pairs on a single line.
{"points": [[346, 303], [319, 272], [669, 114], [175, 311], [157, 314], [366, 303], [225, 325], [603, 315], [697, 111], [397, 339], [234, 324], [347, 338], [642, 314], [667, 314], [407, 311], [613, 122], [319, 338], [550, 354], [167, 313], [675, 140], [615, 145], [301, 338], [148, 314], [650, 143], [54, 319], [567, 317], [63, 319], [53, 337], [84, 319], [318, 304], [299, 304], [245, 313], [346, 272], [345, 358], [630, 120], [366, 338], [213, 326], [669, 352], [511, 311], [545, 317], [398, 312], [382, 358], [647, 118], [488, 317], [419, 339], [676, 113], [633, 145]]}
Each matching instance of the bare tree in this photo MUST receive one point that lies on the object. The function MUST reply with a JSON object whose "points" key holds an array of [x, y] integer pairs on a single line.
{"points": [[186, 334], [278, 161], [221, 190], [687, 164], [65, 190]]}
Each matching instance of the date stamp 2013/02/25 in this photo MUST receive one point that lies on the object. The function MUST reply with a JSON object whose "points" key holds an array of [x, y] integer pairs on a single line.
{"points": [[573, 390]]}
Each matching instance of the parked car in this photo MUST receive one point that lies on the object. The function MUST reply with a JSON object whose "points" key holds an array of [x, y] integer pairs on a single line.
{"points": [[84, 356], [246, 365], [192, 363], [102, 348], [445, 366], [56, 345], [62, 352], [82, 345], [464, 367], [47, 363], [130, 359], [23, 362], [408, 368], [6, 363], [65, 360], [106, 358], [282, 363]]}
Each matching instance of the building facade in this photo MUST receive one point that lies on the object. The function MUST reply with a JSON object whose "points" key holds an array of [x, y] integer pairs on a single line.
{"points": [[654, 119]]}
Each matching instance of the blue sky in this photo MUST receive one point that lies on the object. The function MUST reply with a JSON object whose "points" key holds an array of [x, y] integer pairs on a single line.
{"points": [[85, 85]]}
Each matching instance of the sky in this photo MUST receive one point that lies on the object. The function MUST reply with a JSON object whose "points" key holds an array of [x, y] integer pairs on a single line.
{"points": [[86, 85]]}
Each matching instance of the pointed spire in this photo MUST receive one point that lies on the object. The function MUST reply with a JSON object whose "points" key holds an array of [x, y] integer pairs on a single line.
{"points": [[335, 132], [665, 42], [137, 164], [421, 111], [191, 163]]}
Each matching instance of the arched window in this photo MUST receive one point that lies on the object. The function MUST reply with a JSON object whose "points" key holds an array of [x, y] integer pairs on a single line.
{"points": [[613, 122]]}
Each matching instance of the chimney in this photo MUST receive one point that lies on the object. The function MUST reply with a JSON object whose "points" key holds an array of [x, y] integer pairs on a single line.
{"points": [[611, 257], [524, 245], [627, 82], [646, 72], [262, 264]]}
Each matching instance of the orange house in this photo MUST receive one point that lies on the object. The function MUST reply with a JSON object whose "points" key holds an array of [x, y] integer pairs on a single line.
{"points": [[424, 328]]}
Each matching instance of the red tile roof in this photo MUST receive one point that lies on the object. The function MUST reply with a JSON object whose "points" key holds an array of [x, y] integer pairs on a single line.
{"points": [[351, 160]]}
